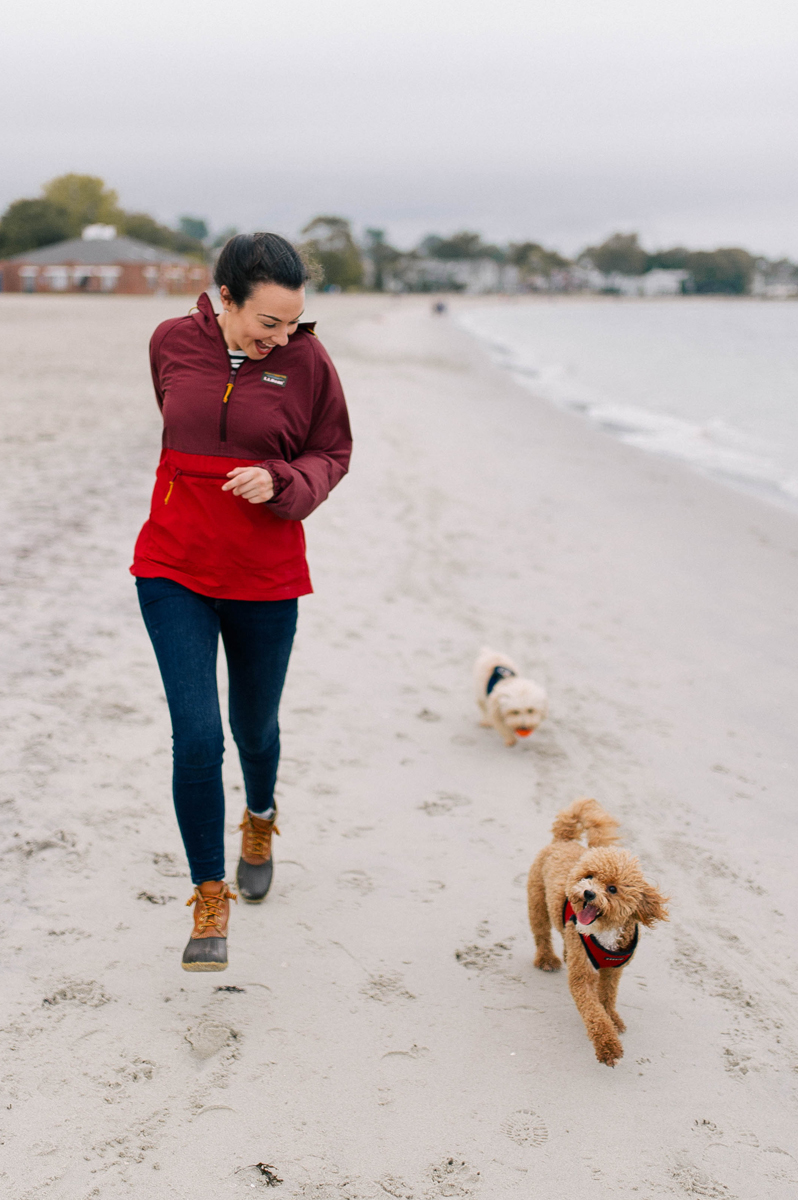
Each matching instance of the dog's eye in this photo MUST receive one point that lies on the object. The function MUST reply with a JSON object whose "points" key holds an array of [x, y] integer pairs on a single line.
{"points": [[612, 888], [588, 876]]}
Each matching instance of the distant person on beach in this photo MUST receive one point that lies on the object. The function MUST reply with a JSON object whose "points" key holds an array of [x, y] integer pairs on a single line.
{"points": [[250, 449]]}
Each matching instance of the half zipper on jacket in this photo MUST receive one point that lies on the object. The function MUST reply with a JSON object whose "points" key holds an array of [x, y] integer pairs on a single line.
{"points": [[225, 398], [205, 538]]}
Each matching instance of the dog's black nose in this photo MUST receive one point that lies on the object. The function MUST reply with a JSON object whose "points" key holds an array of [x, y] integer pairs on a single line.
{"points": [[590, 895]]}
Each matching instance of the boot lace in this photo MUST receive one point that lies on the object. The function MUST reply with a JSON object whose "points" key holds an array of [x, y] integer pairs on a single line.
{"points": [[210, 911], [258, 841]]}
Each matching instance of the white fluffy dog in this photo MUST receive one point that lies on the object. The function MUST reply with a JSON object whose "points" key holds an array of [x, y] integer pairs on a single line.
{"points": [[513, 706]]}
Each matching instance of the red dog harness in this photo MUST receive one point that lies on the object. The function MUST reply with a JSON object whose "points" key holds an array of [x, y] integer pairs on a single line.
{"points": [[598, 955]]}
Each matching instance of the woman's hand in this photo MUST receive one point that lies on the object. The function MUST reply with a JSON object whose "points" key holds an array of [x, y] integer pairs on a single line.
{"points": [[251, 483]]}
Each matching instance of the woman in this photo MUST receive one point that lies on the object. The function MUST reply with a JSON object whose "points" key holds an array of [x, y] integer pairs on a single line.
{"points": [[250, 448]]}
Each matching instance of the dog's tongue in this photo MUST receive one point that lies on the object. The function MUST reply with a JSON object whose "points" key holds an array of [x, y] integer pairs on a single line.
{"points": [[523, 732], [588, 914]]}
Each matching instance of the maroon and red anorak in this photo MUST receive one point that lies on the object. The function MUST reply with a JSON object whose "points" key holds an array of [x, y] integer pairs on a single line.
{"points": [[286, 413]]}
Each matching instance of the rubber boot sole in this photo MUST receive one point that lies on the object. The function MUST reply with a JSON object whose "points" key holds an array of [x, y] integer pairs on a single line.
{"points": [[254, 881], [205, 954]]}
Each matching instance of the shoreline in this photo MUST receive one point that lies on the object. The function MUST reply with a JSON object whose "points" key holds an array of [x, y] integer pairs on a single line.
{"points": [[361, 1056], [711, 446]]}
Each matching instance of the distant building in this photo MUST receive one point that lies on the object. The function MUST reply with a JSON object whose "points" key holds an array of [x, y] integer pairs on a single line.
{"points": [[473, 276], [663, 282], [657, 282], [559, 280], [775, 280], [99, 261]]}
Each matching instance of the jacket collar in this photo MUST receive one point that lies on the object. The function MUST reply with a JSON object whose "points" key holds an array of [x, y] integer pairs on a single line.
{"points": [[206, 316], [598, 954]]}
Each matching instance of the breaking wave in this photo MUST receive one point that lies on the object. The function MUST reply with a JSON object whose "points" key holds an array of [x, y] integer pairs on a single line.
{"points": [[714, 446]]}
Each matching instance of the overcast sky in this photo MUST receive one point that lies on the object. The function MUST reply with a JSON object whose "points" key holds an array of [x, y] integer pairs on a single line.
{"points": [[553, 120]]}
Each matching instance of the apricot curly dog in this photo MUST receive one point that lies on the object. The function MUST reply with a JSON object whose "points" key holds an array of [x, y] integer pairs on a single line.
{"points": [[600, 889]]}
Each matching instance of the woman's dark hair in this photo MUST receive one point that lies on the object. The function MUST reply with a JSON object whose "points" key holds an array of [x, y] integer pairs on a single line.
{"points": [[252, 258]]}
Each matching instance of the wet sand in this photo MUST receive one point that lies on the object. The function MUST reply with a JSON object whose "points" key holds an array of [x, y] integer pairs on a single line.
{"points": [[382, 1031]]}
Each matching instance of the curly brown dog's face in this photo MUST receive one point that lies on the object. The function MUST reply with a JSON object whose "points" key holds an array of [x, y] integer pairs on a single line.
{"points": [[607, 890]]}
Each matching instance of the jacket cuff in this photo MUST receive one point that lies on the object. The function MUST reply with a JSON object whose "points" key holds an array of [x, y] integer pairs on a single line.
{"points": [[280, 473]]}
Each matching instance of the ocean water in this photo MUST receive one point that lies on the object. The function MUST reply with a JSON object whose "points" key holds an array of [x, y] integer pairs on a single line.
{"points": [[710, 381]]}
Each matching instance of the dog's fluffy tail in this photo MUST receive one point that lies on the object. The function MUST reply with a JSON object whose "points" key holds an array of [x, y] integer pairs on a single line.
{"points": [[588, 817]]}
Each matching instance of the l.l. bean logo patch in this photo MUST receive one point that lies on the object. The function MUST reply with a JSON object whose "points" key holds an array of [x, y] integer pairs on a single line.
{"points": [[270, 377]]}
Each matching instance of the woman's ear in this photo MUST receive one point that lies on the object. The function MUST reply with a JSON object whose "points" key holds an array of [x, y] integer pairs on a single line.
{"points": [[651, 906]]}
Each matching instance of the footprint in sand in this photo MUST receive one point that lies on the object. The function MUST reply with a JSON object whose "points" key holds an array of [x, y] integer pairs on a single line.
{"points": [[358, 880], [57, 841], [290, 875], [443, 803], [695, 1182], [386, 987], [394, 1185], [453, 1177], [483, 958], [525, 1128], [166, 864], [208, 1038], [89, 993]]}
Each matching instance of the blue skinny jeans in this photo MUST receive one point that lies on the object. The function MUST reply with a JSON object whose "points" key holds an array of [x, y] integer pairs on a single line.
{"points": [[184, 628]]}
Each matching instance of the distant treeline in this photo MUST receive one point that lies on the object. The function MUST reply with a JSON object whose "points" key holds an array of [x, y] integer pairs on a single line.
{"points": [[377, 265], [71, 202], [728, 270]]}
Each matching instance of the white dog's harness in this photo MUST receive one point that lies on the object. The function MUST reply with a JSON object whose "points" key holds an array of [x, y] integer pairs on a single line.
{"points": [[598, 954], [499, 673]]}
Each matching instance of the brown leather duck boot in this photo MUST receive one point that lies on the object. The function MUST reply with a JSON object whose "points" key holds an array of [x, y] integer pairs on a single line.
{"points": [[255, 867], [207, 946]]}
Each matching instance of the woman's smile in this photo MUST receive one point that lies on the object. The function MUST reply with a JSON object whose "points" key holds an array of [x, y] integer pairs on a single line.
{"points": [[269, 306]]}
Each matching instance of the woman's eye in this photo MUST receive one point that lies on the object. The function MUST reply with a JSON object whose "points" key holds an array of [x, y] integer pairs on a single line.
{"points": [[612, 888]]}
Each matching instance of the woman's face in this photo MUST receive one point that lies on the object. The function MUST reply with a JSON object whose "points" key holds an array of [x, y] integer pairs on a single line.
{"points": [[263, 321]]}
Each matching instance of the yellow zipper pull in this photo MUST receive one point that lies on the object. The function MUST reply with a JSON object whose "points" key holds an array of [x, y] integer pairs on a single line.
{"points": [[227, 392], [171, 485]]}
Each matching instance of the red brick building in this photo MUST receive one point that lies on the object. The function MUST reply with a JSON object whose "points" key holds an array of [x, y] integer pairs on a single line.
{"points": [[103, 262]]}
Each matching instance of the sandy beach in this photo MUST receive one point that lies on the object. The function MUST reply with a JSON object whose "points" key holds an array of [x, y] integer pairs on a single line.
{"points": [[381, 1030]]}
